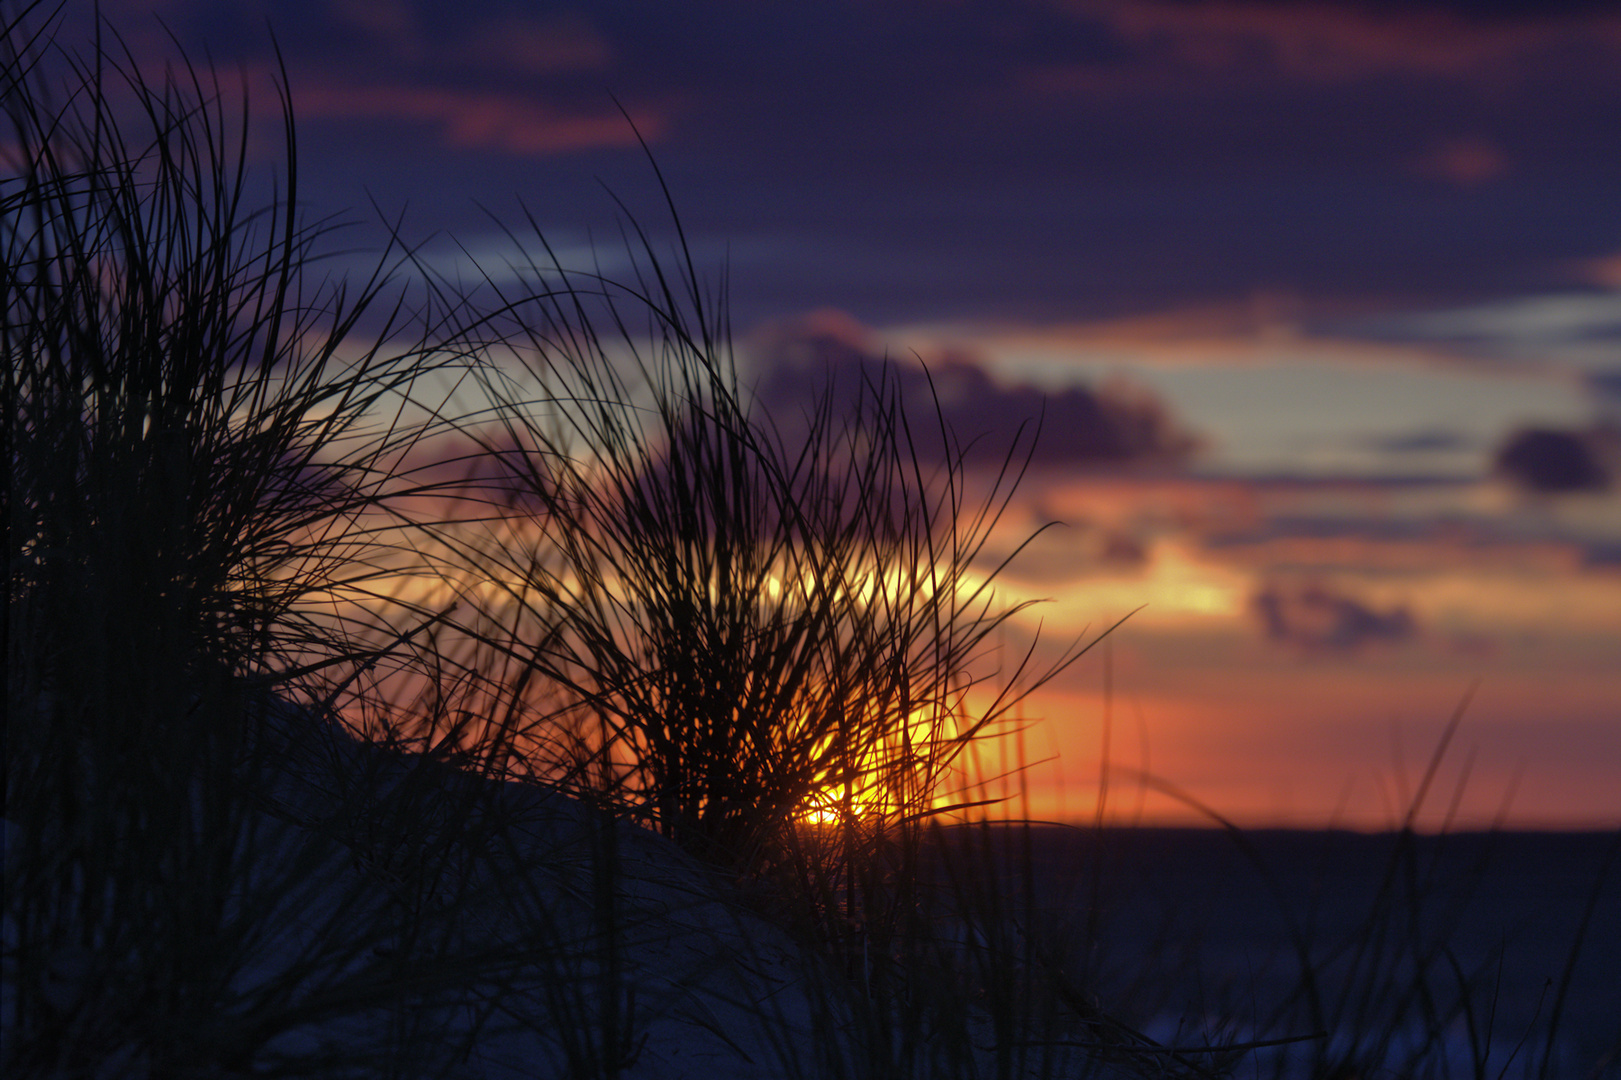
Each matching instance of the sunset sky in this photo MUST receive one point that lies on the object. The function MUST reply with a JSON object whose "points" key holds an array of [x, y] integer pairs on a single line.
{"points": [[1289, 277]]}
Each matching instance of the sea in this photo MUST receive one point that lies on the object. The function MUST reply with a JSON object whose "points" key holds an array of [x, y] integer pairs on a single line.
{"points": [[1389, 954]]}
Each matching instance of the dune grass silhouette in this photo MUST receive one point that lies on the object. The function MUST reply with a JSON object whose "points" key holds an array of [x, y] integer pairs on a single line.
{"points": [[410, 678]]}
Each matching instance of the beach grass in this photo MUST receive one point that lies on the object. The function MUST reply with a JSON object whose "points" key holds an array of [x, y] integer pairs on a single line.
{"points": [[359, 726]]}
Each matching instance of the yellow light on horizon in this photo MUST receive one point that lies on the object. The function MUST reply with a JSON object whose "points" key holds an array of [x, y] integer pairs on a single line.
{"points": [[1175, 586]]}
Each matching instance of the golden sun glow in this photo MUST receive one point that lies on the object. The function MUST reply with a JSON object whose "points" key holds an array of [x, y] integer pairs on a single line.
{"points": [[833, 807], [915, 770], [856, 792]]}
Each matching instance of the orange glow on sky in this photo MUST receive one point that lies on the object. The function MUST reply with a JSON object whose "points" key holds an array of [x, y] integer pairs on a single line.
{"points": [[1329, 714], [1321, 709]]}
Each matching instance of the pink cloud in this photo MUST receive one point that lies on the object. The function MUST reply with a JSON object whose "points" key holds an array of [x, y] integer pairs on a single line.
{"points": [[1464, 162], [534, 47], [1311, 41], [476, 118], [391, 21], [513, 45]]}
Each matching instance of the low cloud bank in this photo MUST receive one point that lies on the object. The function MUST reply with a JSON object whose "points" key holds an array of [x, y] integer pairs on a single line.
{"points": [[1319, 617], [1113, 425]]}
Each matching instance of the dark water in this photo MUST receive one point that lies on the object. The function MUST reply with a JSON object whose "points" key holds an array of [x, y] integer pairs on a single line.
{"points": [[1435, 956]]}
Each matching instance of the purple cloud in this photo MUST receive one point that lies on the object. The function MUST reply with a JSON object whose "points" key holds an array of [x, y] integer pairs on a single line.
{"points": [[1041, 160], [1114, 425], [1559, 462], [1317, 617]]}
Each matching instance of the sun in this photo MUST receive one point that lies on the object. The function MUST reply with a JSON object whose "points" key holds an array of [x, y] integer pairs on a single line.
{"points": [[835, 806]]}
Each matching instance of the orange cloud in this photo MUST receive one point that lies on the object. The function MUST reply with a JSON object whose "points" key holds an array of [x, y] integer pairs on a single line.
{"points": [[1266, 329], [1605, 271]]}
